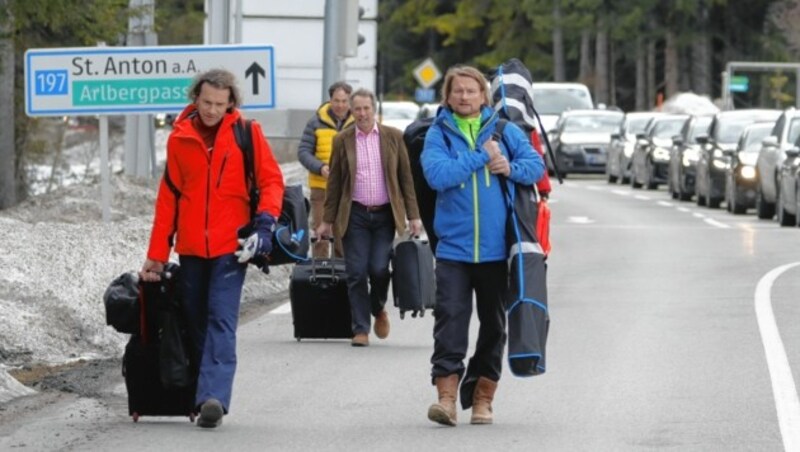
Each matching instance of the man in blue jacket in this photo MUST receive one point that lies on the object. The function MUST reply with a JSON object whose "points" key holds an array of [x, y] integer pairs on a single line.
{"points": [[465, 162]]}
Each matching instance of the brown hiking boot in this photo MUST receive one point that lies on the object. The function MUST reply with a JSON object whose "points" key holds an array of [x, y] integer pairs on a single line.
{"points": [[360, 340], [382, 325], [444, 412], [482, 401]]}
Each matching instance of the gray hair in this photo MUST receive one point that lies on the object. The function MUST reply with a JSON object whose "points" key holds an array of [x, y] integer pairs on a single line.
{"points": [[220, 79], [363, 92]]}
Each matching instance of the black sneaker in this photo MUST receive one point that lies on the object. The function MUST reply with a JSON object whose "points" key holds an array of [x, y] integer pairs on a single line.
{"points": [[210, 414]]}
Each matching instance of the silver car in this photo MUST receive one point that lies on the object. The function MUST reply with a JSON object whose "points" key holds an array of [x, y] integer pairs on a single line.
{"points": [[620, 150], [770, 158], [580, 140]]}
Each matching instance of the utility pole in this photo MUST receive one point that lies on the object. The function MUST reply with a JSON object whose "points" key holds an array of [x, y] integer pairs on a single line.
{"points": [[140, 159], [330, 51], [341, 40], [219, 22], [8, 180]]}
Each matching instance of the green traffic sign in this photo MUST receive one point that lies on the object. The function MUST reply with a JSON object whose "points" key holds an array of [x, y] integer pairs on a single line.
{"points": [[738, 84]]}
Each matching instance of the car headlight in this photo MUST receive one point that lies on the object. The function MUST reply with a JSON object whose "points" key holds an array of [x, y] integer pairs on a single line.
{"points": [[628, 149], [661, 154], [690, 157], [718, 154], [720, 164], [747, 172]]}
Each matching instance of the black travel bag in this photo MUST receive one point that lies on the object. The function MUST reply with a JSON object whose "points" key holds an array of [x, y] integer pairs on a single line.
{"points": [[159, 374], [413, 279], [319, 300]]}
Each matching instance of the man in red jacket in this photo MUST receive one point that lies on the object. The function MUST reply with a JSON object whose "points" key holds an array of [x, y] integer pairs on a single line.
{"points": [[203, 199]]}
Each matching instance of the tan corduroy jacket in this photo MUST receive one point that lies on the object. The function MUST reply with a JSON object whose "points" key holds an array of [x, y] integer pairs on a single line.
{"points": [[396, 171]]}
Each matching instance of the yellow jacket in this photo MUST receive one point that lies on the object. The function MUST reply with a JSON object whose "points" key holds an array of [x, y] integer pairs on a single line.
{"points": [[316, 143]]}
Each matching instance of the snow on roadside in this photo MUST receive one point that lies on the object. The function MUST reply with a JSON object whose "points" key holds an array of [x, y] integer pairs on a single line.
{"points": [[58, 257]]}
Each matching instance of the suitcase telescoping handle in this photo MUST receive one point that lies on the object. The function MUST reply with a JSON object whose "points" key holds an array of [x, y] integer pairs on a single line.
{"points": [[411, 236], [330, 256]]}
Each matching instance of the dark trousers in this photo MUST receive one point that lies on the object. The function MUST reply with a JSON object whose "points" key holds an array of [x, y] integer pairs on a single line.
{"points": [[211, 291], [455, 283], [367, 249]]}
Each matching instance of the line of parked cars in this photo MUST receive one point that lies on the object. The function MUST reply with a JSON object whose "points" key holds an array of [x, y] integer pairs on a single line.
{"points": [[747, 159]]}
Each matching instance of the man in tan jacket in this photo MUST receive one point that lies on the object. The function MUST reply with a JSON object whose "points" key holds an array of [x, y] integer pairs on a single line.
{"points": [[370, 194]]}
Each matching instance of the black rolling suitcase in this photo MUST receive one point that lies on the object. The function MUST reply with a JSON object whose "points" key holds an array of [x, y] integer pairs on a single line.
{"points": [[413, 279], [159, 375], [319, 300]]}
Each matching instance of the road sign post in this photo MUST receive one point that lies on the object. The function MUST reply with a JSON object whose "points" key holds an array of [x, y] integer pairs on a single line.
{"points": [[125, 80]]}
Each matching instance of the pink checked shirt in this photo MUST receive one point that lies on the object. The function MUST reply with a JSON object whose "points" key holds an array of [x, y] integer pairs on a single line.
{"points": [[370, 184]]}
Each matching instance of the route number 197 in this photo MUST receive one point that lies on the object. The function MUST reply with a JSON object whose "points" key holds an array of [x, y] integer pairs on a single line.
{"points": [[51, 82]]}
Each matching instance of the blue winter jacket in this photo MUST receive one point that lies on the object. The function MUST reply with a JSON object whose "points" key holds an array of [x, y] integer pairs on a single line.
{"points": [[471, 213]]}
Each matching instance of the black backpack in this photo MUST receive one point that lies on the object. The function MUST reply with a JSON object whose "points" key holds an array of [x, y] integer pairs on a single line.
{"points": [[290, 240], [414, 138]]}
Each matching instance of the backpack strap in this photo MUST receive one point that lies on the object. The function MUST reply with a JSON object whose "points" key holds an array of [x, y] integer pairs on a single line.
{"points": [[499, 134], [177, 193], [243, 133]]}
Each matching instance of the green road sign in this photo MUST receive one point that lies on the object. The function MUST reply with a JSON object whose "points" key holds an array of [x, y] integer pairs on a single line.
{"points": [[120, 80], [739, 84]]}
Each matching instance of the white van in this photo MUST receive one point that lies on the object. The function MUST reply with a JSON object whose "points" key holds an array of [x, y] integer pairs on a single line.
{"points": [[551, 98]]}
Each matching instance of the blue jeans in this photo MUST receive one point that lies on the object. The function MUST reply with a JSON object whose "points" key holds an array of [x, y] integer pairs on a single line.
{"points": [[211, 290], [367, 250]]}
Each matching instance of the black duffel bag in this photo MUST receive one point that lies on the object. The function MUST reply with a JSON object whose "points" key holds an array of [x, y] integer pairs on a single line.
{"points": [[122, 303]]}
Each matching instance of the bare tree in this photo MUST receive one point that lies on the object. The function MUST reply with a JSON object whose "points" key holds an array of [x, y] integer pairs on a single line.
{"points": [[601, 62], [701, 56], [8, 194], [585, 70], [559, 69], [650, 51], [671, 65], [785, 15], [642, 102]]}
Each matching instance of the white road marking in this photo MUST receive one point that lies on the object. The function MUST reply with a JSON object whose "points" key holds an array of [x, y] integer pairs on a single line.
{"points": [[594, 187], [285, 308], [621, 192], [698, 215], [684, 209], [665, 203], [783, 388], [580, 220], [642, 198], [716, 223]]}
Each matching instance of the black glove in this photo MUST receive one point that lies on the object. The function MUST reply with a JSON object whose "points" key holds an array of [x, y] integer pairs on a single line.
{"points": [[255, 240]]}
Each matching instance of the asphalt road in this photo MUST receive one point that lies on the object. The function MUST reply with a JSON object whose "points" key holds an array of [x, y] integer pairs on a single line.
{"points": [[661, 338]]}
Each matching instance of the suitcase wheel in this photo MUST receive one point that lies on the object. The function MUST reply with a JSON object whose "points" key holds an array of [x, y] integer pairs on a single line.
{"points": [[402, 315], [135, 417], [192, 417]]}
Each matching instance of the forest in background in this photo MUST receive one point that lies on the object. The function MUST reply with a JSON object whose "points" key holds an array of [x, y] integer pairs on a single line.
{"points": [[627, 51]]}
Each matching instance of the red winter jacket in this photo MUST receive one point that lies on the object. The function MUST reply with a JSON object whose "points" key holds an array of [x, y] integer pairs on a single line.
{"points": [[209, 200]]}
